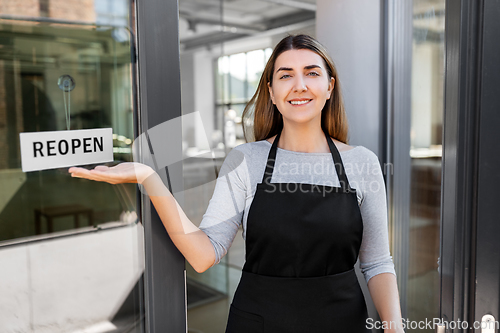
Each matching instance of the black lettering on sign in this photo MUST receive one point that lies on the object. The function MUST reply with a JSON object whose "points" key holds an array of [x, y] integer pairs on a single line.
{"points": [[75, 143], [86, 144], [65, 150], [37, 146], [62, 147], [98, 143], [50, 147]]}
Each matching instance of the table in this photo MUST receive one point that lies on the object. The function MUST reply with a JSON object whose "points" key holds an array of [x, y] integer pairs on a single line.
{"points": [[59, 211]]}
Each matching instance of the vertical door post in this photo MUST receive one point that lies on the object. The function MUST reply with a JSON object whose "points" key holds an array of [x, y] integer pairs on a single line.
{"points": [[159, 91]]}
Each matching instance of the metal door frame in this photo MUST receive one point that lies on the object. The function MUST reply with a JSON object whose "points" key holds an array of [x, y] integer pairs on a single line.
{"points": [[398, 61], [470, 266], [159, 100]]}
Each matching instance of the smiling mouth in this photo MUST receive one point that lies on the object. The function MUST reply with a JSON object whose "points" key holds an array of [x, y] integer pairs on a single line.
{"points": [[300, 102]]}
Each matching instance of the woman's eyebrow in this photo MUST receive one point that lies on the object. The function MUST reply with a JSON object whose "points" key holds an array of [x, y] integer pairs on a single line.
{"points": [[291, 69], [312, 66], [284, 69]]}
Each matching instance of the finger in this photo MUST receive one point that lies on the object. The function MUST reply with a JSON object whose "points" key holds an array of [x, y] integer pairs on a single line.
{"points": [[74, 169], [77, 170], [80, 173], [101, 168]]}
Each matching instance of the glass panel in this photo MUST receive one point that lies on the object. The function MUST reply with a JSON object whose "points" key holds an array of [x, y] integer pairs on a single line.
{"points": [[70, 249], [219, 82], [216, 85], [207, 87], [268, 52], [233, 122], [238, 75], [426, 149], [31, 65], [224, 79], [256, 61]]}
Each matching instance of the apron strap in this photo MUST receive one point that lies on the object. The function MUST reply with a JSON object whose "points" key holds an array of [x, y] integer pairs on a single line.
{"points": [[271, 158], [339, 166]]}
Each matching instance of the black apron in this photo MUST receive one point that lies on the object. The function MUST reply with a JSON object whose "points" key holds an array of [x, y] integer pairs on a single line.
{"points": [[302, 241]]}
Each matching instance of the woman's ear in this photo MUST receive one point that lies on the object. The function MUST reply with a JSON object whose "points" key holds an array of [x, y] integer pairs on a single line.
{"points": [[331, 86], [271, 92]]}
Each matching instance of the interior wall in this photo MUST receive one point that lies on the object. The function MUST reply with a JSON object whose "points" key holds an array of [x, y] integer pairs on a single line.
{"points": [[197, 81], [352, 33], [187, 95], [204, 93], [309, 30]]}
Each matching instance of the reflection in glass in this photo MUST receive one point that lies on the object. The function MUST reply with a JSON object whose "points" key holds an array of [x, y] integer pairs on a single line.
{"points": [[31, 67], [426, 149], [216, 86], [238, 77], [255, 67], [223, 88]]}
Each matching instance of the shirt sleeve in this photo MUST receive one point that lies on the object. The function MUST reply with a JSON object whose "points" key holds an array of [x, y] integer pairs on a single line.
{"points": [[225, 209], [374, 255]]}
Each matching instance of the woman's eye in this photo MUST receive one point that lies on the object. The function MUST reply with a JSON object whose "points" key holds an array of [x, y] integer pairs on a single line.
{"points": [[313, 74], [284, 76]]}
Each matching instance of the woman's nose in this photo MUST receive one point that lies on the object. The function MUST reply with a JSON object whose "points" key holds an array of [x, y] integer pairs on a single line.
{"points": [[299, 84]]}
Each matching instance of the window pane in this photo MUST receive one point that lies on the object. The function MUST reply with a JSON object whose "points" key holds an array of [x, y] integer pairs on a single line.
{"points": [[268, 52], [208, 293], [426, 134], [100, 67], [237, 68], [255, 68], [224, 79], [77, 242]]}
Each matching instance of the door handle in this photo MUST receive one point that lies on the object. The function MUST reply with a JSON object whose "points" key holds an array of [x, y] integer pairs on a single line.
{"points": [[488, 324], [440, 328]]}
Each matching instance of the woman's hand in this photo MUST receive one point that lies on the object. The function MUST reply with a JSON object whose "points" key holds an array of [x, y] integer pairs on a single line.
{"points": [[384, 291], [192, 242], [129, 172]]}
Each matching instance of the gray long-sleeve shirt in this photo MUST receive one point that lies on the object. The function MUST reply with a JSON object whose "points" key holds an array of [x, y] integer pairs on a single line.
{"points": [[244, 167]]}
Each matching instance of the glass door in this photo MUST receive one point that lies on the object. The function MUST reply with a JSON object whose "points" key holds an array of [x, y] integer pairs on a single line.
{"points": [[427, 105], [71, 250], [453, 271], [203, 151], [416, 72]]}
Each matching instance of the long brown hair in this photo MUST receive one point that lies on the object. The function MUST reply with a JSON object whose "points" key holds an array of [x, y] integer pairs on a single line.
{"points": [[267, 120]]}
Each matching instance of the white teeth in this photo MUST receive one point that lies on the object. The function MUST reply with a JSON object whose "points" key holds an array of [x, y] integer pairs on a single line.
{"points": [[299, 102]]}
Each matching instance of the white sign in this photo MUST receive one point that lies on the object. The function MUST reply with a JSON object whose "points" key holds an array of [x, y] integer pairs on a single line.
{"points": [[50, 150]]}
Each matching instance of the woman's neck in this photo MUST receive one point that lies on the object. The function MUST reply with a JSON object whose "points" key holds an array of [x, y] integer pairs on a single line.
{"points": [[305, 139]]}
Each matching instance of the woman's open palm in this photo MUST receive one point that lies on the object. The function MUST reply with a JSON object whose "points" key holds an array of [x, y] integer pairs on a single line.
{"points": [[128, 172]]}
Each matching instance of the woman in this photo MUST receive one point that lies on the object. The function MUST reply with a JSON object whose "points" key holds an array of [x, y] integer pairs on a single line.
{"points": [[304, 228]]}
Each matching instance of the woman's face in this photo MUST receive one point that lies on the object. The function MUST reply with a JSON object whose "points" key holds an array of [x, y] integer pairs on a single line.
{"points": [[300, 86]]}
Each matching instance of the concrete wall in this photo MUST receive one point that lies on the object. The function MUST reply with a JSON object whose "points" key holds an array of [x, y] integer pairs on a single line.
{"points": [[69, 283], [204, 98], [352, 32], [197, 81]]}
